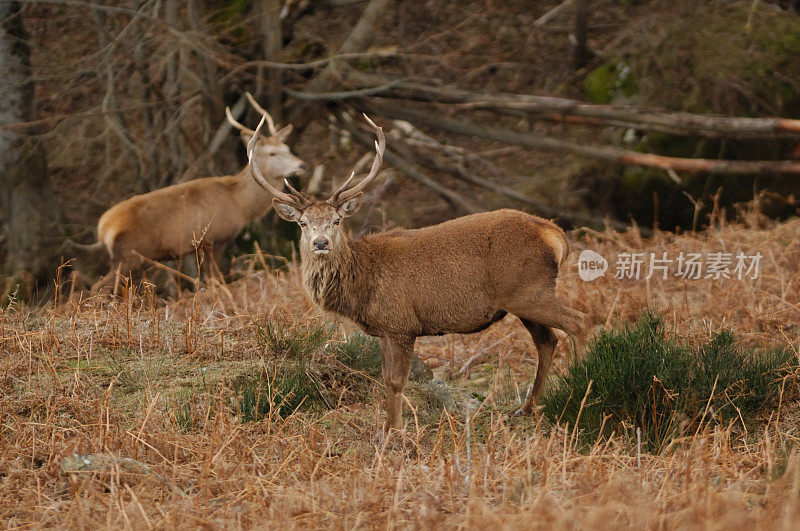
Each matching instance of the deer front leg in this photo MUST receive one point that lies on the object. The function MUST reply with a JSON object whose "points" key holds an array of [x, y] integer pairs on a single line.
{"points": [[397, 353]]}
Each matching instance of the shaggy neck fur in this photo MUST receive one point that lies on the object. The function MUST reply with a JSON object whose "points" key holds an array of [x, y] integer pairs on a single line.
{"points": [[331, 278]]}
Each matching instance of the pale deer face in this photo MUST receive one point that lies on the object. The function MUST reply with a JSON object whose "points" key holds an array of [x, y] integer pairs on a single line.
{"points": [[320, 224], [320, 221], [273, 155]]}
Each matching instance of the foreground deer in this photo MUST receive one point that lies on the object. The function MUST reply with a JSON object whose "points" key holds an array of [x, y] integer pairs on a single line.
{"points": [[169, 222], [457, 277]]}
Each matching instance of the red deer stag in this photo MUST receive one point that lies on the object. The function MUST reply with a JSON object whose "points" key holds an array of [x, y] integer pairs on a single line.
{"points": [[457, 277], [169, 222]]}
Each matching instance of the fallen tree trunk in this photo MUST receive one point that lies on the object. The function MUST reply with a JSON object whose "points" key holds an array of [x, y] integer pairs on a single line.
{"points": [[566, 219], [610, 153], [679, 123], [404, 161]]}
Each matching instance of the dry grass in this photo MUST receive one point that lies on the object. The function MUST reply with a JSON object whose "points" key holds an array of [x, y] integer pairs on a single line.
{"points": [[117, 378]]}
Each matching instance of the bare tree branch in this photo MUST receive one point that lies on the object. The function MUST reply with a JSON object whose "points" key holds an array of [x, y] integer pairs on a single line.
{"points": [[357, 41], [311, 65], [399, 162], [331, 96], [553, 13], [568, 219], [681, 123], [609, 153]]}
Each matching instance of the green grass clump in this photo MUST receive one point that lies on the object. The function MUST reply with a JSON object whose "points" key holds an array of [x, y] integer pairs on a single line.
{"points": [[642, 378], [303, 373], [282, 390], [291, 382], [291, 341], [185, 412], [361, 353]]}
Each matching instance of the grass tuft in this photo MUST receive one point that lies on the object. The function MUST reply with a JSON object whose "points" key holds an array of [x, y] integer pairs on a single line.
{"points": [[291, 341], [361, 353], [303, 373], [638, 377], [282, 390]]}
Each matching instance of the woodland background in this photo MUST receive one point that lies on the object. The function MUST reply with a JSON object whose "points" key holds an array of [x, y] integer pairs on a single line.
{"points": [[103, 101]]}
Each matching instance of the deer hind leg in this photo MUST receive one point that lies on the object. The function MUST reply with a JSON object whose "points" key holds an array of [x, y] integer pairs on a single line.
{"points": [[546, 342], [540, 313], [120, 269], [545, 309], [107, 281], [397, 354]]}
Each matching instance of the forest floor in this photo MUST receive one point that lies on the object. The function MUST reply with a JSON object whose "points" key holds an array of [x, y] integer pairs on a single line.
{"points": [[131, 413]]}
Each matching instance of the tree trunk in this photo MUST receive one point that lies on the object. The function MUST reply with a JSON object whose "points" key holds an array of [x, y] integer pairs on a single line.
{"points": [[581, 54], [272, 43], [30, 212]]}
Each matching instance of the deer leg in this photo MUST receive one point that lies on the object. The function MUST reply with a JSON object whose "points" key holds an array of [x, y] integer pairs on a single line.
{"points": [[124, 266], [397, 354], [188, 266], [208, 267], [125, 269], [106, 281], [223, 265], [546, 342], [545, 309]]}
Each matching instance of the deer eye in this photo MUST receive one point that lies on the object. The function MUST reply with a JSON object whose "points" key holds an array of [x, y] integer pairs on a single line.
{"points": [[336, 221], [303, 224]]}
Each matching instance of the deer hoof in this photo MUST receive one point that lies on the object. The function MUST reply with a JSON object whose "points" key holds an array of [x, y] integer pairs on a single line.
{"points": [[522, 412]]}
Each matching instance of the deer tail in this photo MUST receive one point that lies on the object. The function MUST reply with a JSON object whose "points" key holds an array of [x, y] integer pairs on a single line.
{"points": [[557, 240]]}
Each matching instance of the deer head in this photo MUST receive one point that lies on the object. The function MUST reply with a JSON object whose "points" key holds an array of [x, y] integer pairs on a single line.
{"points": [[270, 152], [320, 221]]}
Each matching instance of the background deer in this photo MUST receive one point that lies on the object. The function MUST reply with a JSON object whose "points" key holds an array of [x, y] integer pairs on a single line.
{"points": [[457, 277], [172, 221]]}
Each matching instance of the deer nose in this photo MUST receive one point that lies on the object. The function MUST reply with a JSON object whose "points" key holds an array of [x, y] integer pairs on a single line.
{"points": [[320, 244]]}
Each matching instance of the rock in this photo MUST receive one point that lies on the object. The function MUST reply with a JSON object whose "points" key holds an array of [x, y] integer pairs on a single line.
{"points": [[102, 463], [128, 469], [419, 371], [440, 392]]}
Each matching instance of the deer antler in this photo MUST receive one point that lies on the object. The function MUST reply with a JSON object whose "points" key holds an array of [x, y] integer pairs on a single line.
{"points": [[272, 129], [233, 122], [343, 193], [294, 197]]}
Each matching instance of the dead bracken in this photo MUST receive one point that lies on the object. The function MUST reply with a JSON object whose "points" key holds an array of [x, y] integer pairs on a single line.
{"points": [[116, 378]]}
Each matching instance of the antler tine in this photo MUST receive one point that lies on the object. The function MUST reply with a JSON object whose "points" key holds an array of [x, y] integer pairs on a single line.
{"points": [[255, 171], [272, 129], [233, 122], [300, 198], [344, 186], [342, 193]]}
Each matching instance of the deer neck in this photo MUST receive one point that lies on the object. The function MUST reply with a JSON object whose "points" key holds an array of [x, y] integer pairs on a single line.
{"points": [[338, 284], [251, 197]]}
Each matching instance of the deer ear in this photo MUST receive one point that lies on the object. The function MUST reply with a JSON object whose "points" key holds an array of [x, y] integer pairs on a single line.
{"points": [[246, 135], [350, 206], [284, 133], [287, 211]]}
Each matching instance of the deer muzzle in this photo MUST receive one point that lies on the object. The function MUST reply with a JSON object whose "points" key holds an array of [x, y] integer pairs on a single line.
{"points": [[321, 246]]}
